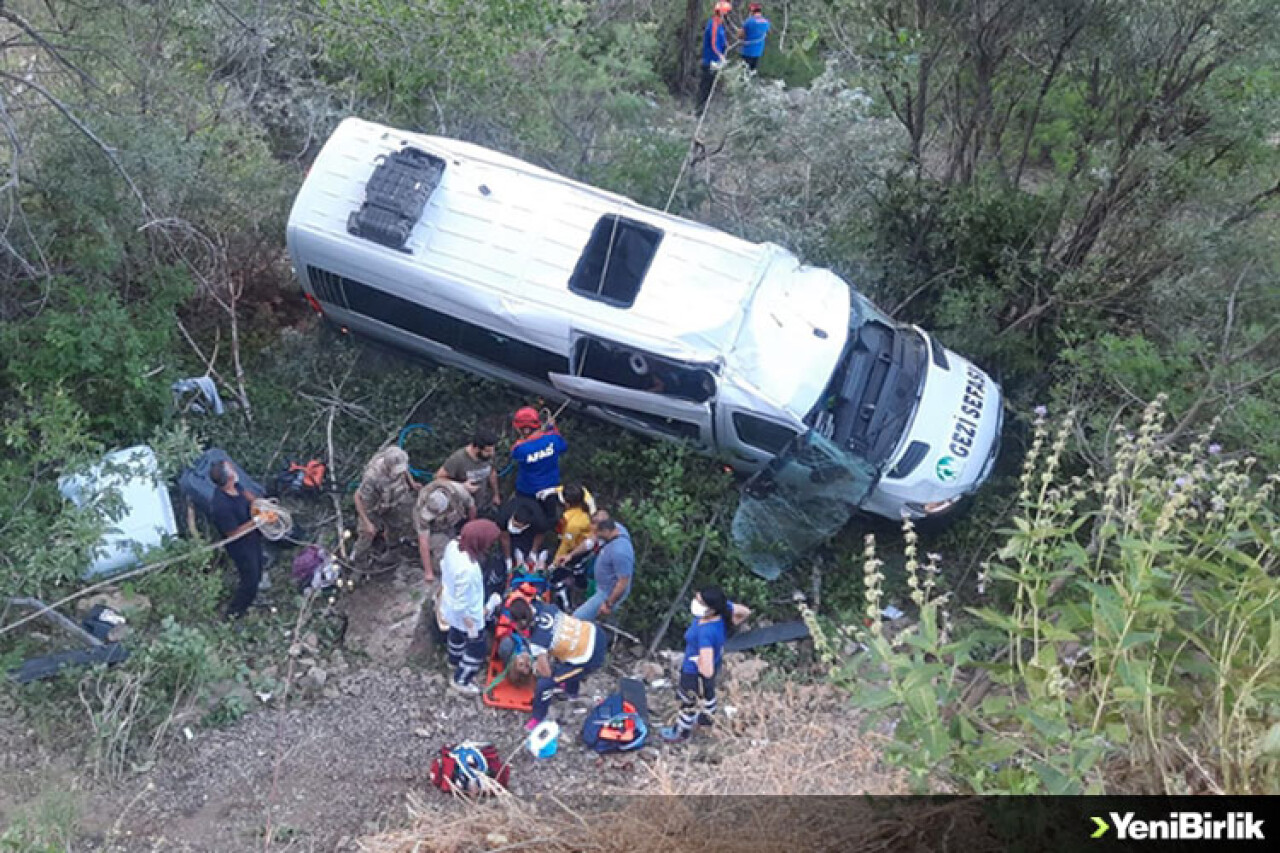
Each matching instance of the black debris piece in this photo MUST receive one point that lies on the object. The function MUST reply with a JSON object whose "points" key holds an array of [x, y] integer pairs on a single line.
{"points": [[47, 666], [783, 632]]}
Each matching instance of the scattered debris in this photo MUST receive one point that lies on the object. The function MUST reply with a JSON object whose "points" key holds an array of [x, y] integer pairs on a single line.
{"points": [[47, 666], [131, 476], [128, 604], [197, 395]]}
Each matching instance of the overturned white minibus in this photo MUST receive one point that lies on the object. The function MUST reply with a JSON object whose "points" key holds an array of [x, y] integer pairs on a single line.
{"points": [[656, 323]]}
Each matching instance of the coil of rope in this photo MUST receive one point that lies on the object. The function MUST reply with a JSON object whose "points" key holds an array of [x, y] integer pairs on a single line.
{"points": [[273, 520]]}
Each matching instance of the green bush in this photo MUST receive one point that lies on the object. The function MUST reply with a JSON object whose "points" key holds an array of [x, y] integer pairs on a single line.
{"points": [[1131, 645]]}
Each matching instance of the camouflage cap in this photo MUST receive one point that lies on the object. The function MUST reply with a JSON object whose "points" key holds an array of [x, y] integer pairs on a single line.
{"points": [[433, 505]]}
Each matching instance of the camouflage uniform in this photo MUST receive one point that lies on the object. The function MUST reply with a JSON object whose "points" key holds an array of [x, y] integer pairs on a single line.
{"points": [[439, 520], [441, 525], [388, 499]]}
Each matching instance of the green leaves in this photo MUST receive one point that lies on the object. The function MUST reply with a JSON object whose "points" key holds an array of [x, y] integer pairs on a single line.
{"points": [[1111, 639]]}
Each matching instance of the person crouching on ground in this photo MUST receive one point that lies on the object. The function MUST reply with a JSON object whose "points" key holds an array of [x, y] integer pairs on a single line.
{"points": [[564, 651], [462, 601], [714, 619]]}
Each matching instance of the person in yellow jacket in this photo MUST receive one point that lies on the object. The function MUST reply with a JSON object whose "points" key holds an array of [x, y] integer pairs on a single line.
{"points": [[575, 522]]}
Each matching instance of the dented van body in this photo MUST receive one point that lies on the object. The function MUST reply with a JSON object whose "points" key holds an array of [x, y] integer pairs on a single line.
{"points": [[656, 323]]}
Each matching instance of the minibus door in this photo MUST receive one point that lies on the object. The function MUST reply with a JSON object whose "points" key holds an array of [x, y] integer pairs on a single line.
{"points": [[644, 411]]}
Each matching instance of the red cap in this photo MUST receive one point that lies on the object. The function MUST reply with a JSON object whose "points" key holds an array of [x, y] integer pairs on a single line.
{"points": [[526, 418]]}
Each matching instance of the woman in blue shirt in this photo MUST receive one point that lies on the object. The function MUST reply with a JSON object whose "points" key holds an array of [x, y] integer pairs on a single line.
{"points": [[715, 618]]}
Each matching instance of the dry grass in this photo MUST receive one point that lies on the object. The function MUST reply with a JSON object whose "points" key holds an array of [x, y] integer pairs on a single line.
{"points": [[641, 824], [793, 740], [787, 743]]}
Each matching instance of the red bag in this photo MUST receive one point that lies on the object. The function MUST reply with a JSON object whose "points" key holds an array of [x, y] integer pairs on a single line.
{"points": [[458, 769]]}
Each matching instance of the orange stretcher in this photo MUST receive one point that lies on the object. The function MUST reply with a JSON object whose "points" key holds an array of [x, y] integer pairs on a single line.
{"points": [[505, 694], [498, 692]]}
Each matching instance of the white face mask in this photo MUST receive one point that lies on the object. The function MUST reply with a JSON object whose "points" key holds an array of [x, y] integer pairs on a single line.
{"points": [[698, 609]]}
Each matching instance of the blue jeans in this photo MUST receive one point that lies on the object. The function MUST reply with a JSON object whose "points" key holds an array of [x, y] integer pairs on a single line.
{"points": [[588, 610]]}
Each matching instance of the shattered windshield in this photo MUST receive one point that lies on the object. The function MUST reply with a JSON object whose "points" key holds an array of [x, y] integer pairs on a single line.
{"points": [[802, 498]]}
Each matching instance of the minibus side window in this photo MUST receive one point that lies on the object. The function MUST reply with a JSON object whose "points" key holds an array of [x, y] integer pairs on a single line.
{"points": [[626, 367], [467, 338]]}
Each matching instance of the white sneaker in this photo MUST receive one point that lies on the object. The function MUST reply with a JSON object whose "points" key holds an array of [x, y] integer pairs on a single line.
{"points": [[467, 689]]}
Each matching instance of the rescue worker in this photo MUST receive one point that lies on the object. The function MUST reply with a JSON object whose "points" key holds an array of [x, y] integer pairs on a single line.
{"points": [[462, 603], [615, 568], [753, 32], [575, 529], [442, 508], [715, 51], [588, 547], [384, 501], [524, 526], [473, 466], [715, 618], [536, 455], [575, 518], [564, 651]]}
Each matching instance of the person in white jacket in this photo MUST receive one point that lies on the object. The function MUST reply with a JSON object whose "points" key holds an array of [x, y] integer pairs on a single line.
{"points": [[462, 601]]}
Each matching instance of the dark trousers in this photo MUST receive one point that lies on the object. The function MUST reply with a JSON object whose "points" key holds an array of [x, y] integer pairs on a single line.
{"points": [[697, 697], [567, 677], [466, 655], [248, 563], [705, 82], [751, 61]]}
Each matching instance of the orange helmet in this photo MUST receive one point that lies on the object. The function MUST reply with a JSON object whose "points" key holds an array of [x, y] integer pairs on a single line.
{"points": [[724, 7], [526, 418]]}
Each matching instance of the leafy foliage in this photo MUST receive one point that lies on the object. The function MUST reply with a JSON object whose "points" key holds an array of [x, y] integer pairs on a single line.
{"points": [[1130, 645]]}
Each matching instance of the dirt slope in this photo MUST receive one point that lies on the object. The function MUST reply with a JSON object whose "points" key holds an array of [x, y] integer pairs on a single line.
{"points": [[343, 760]]}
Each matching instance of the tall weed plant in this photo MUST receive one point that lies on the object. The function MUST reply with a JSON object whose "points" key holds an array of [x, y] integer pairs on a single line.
{"points": [[1131, 642]]}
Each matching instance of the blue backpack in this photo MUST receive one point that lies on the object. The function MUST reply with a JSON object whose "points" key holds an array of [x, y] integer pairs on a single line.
{"points": [[614, 726]]}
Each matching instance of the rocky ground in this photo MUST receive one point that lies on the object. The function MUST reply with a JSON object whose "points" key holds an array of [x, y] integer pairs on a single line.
{"points": [[353, 745]]}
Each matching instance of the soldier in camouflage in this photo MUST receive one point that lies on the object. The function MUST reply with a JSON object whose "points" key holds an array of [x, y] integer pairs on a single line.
{"points": [[442, 508], [385, 501]]}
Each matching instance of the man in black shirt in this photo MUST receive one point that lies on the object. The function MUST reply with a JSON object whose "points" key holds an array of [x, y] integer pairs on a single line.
{"points": [[232, 513], [524, 525]]}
